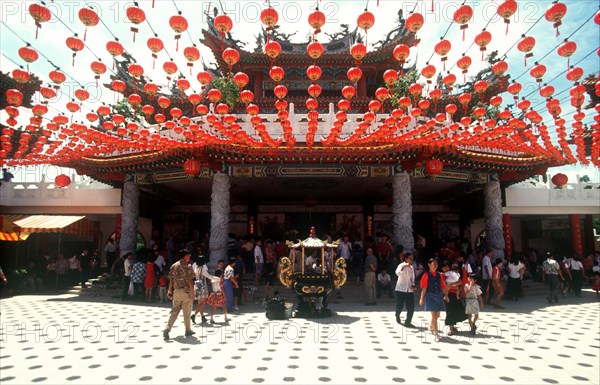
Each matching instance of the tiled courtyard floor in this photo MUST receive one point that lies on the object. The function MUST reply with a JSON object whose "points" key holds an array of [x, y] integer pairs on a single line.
{"points": [[95, 339]]}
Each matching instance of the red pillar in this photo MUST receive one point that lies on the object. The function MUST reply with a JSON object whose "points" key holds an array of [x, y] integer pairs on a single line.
{"points": [[588, 231], [118, 228], [258, 84], [362, 87], [507, 237], [576, 240]]}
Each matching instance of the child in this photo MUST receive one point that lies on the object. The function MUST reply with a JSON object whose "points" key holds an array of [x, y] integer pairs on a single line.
{"points": [[474, 301], [162, 286], [596, 283], [217, 297], [453, 280]]}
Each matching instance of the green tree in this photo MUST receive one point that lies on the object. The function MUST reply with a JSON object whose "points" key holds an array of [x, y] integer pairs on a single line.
{"points": [[230, 93], [124, 108], [400, 88]]}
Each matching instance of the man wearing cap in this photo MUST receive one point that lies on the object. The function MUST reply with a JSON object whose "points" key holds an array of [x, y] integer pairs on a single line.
{"points": [[181, 290]]}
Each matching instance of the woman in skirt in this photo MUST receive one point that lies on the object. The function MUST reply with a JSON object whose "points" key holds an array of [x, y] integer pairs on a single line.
{"points": [[201, 288], [217, 297], [455, 310], [433, 295]]}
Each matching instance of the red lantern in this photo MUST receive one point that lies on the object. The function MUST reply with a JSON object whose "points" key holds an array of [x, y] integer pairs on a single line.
{"points": [[464, 63], [118, 86], [462, 16], [313, 72], [40, 14], [231, 56], [163, 102], [354, 74], [348, 92], [554, 14], [451, 109], [506, 10], [382, 94], [526, 45], [464, 99], [316, 20], [538, 71], [170, 68], [269, 17], [272, 49], [414, 22], [75, 44], [241, 79], [449, 81], [136, 16], [358, 51], [401, 53], [28, 54], [191, 54], [574, 73], [81, 94], [246, 96], [135, 70], [57, 77], [115, 49], [62, 180], [314, 90], [183, 85], [20, 76], [514, 88], [482, 40], [280, 91], [39, 110], [276, 73], [98, 68], [178, 24], [480, 86], [559, 180], [89, 18], [390, 77], [314, 50], [547, 91], [223, 24], [496, 101], [567, 49], [434, 167], [365, 20], [442, 48], [147, 110], [204, 78], [191, 167], [135, 100], [155, 45], [151, 89], [252, 109], [312, 104], [428, 72], [214, 95]]}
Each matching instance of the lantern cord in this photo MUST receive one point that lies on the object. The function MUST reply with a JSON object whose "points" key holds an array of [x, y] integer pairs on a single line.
{"points": [[41, 53], [59, 89], [556, 46], [564, 71], [187, 30], [472, 43], [519, 39], [222, 8], [445, 33]]}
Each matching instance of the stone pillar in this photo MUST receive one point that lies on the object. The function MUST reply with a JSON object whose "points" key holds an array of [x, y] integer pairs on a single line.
{"points": [[507, 236], [219, 218], [576, 239], [130, 205], [588, 232], [493, 218], [402, 209]]}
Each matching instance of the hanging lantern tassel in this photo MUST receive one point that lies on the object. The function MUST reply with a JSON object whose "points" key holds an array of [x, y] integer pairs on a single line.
{"points": [[73, 62], [190, 65], [85, 34], [153, 60], [134, 30], [444, 60], [482, 49], [432, 9], [463, 27], [507, 22], [152, 4], [38, 25], [556, 25], [97, 77], [530, 54], [177, 37]]}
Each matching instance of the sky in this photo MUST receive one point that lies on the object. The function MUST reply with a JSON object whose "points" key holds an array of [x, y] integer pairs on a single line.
{"points": [[293, 17]]}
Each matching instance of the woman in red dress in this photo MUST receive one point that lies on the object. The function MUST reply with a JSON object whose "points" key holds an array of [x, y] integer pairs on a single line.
{"points": [[216, 299], [150, 280]]}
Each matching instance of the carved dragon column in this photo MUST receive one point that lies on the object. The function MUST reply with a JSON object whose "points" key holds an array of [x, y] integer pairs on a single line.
{"points": [[402, 209], [130, 205], [493, 218], [219, 218]]}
